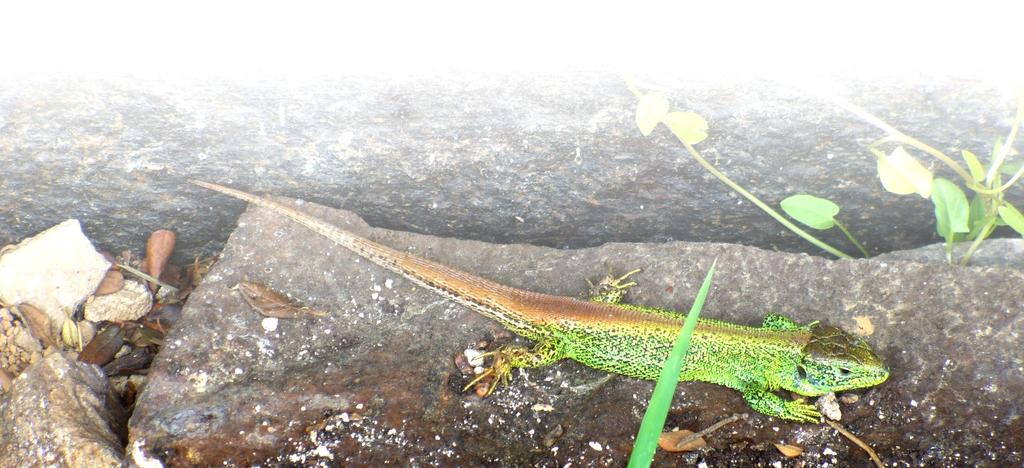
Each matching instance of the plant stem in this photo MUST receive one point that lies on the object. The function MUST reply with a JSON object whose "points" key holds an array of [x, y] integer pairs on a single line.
{"points": [[1007, 145], [852, 239], [714, 427], [898, 136], [982, 235], [764, 207], [849, 435], [146, 276]]}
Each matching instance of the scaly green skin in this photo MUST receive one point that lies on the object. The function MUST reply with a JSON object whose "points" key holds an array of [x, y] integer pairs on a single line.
{"points": [[809, 360], [605, 334]]}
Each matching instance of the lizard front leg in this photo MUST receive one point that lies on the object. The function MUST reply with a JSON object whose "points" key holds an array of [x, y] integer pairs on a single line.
{"points": [[766, 402], [611, 289], [509, 357]]}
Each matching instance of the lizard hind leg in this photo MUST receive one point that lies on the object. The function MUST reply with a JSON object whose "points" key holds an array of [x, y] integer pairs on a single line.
{"points": [[611, 289], [510, 357]]}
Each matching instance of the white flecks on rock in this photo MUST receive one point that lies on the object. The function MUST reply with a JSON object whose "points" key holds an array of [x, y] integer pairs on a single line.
{"points": [[130, 303], [54, 271]]}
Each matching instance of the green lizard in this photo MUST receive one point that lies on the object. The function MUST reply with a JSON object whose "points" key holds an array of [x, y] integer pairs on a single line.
{"points": [[605, 334]]}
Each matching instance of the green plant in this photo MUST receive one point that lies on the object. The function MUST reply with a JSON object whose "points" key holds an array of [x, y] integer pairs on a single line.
{"points": [[661, 399], [690, 129], [818, 213], [901, 173], [956, 219]]}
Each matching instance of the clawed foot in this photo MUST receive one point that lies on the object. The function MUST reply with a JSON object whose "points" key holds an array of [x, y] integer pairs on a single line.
{"points": [[800, 411], [500, 372], [611, 289]]}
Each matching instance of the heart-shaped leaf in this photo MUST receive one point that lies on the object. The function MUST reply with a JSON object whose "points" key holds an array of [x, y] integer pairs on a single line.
{"points": [[976, 217], [650, 111], [687, 126], [1013, 217], [977, 170], [815, 212], [951, 208], [901, 174]]}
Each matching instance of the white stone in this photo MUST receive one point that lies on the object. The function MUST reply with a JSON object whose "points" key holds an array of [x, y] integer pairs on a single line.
{"points": [[130, 303], [55, 271], [829, 406]]}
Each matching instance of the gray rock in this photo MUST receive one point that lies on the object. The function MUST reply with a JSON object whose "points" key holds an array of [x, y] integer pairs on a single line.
{"points": [[375, 380], [1000, 253], [551, 160], [54, 271], [61, 413]]}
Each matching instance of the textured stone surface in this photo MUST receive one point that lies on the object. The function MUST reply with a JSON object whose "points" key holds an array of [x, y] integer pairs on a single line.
{"points": [[374, 381], [551, 160], [54, 271], [128, 303], [18, 348], [1002, 253], [61, 413]]}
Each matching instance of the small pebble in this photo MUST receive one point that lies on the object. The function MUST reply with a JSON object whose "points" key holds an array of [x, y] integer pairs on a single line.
{"points": [[829, 406], [269, 324], [475, 357]]}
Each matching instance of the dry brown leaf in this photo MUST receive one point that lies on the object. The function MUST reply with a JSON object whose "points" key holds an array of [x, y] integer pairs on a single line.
{"points": [[789, 451], [135, 362], [142, 336], [38, 324], [112, 282], [103, 347], [669, 441], [270, 303], [172, 275], [162, 317], [158, 249]]}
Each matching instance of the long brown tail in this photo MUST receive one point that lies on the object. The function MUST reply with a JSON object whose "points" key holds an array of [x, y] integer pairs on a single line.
{"points": [[502, 303]]}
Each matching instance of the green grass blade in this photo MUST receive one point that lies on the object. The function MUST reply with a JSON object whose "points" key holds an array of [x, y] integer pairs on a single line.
{"points": [[665, 389]]}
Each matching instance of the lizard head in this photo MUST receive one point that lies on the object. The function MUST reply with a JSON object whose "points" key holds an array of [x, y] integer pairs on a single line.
{"points": [[834, 360]]}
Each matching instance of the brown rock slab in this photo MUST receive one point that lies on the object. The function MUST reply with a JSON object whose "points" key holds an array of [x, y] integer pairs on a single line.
{"points": [[375, 380], [61, 413]]}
